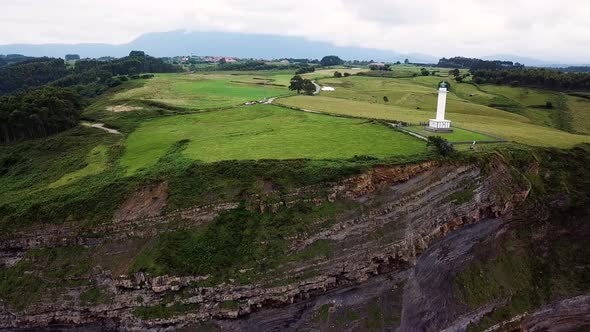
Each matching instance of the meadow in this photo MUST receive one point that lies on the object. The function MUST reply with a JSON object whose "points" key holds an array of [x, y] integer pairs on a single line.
{"points": [[516, 114], [208, 90], [263, 132]]}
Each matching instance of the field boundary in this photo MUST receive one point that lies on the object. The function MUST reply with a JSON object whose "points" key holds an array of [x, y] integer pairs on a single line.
{"points": [[397, 125], [497, 139], [294, 108]]}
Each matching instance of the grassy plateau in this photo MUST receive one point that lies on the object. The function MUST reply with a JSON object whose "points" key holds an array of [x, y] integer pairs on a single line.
{"points": [[264, 132]]}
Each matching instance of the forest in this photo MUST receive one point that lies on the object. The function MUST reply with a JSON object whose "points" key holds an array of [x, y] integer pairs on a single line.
{"points": [[477, 64], [136, 63], [38, 113], [249, 65], [42, 96], [30, 74], [534, 77]]}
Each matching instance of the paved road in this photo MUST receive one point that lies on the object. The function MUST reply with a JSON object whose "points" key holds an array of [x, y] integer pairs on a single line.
{"points": [[317, 88], [270, 100]]}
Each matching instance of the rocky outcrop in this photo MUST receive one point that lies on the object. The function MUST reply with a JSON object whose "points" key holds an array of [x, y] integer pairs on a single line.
{"points": [[566, 315], [397, 213]]}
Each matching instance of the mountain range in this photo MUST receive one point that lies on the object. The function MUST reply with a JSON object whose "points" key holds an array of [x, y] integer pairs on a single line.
{"points": [[241, 45]]}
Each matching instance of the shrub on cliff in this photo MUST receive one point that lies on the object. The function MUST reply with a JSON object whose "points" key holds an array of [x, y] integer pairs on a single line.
{"points": [[441, 145]]}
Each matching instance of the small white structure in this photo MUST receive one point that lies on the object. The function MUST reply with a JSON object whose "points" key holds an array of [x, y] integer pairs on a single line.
{"points": [[440, 124], [328, 88]]}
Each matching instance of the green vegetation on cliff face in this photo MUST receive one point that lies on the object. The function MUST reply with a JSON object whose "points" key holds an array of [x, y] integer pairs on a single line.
{"points": [[42, 273], [542, 261], [533, 268], [237, 240], [375, 315], [71, 175]]}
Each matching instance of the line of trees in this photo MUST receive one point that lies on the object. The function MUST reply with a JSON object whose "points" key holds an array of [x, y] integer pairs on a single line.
{"points": [[477, 64], [534, 77], [136, 63], [36, 72], [38, 113], [305, 69], [575, 69], [9, 59]]}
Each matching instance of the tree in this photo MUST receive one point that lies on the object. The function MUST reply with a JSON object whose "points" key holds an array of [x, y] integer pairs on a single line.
{"points": [[424, 72], [407, 61], [296, 84], [70, 57], [455, 72], [331, 60], [441, 145], [459, 79], [446, 83], [346, 74], [305, 69], [137, 54], [337, 74], [385, 99], [308, 87]]}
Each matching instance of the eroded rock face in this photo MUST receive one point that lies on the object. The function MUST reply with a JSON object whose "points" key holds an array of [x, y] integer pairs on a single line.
{"points": [[402, 211], [144, 203]]}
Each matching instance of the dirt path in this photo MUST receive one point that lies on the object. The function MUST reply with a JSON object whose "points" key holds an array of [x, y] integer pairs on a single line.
{"points": [[101, 126]]}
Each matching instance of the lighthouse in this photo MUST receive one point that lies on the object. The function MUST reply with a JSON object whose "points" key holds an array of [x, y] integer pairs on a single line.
{"points": [[440, 124]]}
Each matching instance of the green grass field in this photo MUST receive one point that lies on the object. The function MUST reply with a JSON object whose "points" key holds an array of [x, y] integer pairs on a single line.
{"points": [[263, 132], [516, 114], [579, 108], [96, 162], [417, 93], [202, 91], [505, 127]]}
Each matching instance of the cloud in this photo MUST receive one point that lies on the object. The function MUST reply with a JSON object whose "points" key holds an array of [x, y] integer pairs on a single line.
{"points": [[534, 28]]}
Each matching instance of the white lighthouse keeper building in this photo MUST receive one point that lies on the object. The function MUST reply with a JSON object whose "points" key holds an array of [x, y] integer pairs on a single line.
{"points": [[440, 124]]}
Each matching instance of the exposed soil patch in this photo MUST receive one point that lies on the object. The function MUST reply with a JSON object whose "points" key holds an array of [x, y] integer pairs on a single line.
{"points": [[123, 108], [145, 202]]}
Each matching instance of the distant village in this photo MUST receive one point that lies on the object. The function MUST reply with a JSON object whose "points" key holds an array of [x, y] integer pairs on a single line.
{"points": [[194, 59]]}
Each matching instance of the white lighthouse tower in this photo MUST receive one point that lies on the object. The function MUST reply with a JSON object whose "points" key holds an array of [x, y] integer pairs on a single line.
{"points": [[440, 124]]}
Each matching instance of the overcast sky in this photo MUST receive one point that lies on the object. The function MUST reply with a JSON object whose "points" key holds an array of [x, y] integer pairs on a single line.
{"points": [[553, 30]]}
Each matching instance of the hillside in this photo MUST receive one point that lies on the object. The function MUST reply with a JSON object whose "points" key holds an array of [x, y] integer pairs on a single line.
{"points": [[225, 201]]}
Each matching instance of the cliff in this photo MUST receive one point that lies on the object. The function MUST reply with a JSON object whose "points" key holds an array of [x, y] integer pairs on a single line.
{"points": [[403, 247]]}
